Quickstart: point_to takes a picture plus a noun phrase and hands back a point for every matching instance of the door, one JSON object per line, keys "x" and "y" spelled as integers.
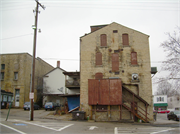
{"x": 17, "y": 97}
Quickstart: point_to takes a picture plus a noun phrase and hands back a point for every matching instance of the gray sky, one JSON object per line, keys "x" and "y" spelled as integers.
{"x": 63, "y": 22}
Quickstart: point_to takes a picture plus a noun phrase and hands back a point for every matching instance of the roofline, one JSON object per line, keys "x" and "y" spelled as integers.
{"x": 53, "y": 70}
{"x": 110, "y": 24}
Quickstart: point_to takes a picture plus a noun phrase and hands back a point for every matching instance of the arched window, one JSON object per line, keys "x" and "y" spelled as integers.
{"x": 125, "y": 39}
{"x": 133, "y": 58}
{"x": 98, "y": 59}
{"x": 98, "y": 76}
{"x": 103, "y": 40}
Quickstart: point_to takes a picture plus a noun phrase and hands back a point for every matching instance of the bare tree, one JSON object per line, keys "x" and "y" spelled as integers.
{"x": 172, "y": 64}
{"x": 165, "y": 88}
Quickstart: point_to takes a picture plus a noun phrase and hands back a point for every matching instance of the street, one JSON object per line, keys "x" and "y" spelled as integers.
{"x": 18, "y": 122}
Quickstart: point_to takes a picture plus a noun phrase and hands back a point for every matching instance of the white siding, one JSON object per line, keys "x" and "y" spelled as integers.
{"x": 54, "y": 82}
{"x": 160, "y": 99}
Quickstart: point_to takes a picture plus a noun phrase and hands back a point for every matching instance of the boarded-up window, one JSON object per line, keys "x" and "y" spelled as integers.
{"x": 103, "y": 40}
{"x": 105, "y": 92}
{"x": 98, "y": 59}
{"x": 98, "y": 76}
{"x": 115, "y": 62}
{"x": 133, "y": 58}
{"x": 115, "y": 92}
{"x": 125, "y": 39}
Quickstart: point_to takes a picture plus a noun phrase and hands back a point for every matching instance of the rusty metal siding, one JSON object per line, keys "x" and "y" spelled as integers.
{"x": 115, "y": 62}
{"x": 115, "y": 92}
{"x": 104, "y": 92}
{"x": 98, "y": 59}
{"x": 103, "y": 40}
{"x": 125, "y": 39}
{"x": 98, "y": 76}
{"x": 93, "y": 86}
{"x": 133, "y": 58}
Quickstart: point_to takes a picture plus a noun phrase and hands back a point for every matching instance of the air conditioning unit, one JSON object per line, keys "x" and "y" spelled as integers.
{"x": 135, "y": 77}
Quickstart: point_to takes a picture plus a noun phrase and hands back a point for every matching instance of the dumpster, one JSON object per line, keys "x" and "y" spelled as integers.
{"x": 78, "y": 115}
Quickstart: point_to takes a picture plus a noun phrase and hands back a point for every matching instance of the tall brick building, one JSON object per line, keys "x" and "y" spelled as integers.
{"x": 16, "y": 76}
{"x": 115, "y": 78}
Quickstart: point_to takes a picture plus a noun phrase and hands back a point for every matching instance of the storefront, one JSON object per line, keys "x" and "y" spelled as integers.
{"x": 6, "y": 98}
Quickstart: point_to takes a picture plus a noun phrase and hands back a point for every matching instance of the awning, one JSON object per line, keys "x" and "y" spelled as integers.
{"x": 160, "y": 104}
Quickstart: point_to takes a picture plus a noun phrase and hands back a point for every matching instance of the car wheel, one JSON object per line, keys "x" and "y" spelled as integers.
{"x": 168, "y": 118}
{"x": 24, "y": 109}
{"x": 46, "y": 109}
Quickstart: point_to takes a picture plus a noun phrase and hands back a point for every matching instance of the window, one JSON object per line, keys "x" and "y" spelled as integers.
{"x": 98, "y": 76}
{"x": 9, "y": 98}
{"x": 125, "y": 39}
{"x": 2, "y": 66}
{"x": 15, "y": 75}
{"x": 5, "y": 98}
{"x": 103, "y": 40}
{"x": 133, "y": 58}
{"x": 115, "y": 31}
{"x": 98, "y": 59}
{"x": 115, "y": 62}
{"x": 2, "y": 76}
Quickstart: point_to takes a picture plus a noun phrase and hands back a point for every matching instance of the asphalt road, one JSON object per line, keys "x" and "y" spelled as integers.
{"x": 19, "y": 123}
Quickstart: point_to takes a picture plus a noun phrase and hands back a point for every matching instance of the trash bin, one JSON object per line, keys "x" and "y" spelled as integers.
{"x": 78, "y": 115}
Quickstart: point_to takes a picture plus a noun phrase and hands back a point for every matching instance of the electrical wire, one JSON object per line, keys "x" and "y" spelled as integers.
{"x": 16, "y": 36}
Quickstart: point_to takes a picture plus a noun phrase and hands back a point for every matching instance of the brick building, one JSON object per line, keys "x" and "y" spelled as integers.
{"x": 16, "y": 75}
{"x": 115, "y": 78}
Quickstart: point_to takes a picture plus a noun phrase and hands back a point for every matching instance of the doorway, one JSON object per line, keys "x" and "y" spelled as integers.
{"x": 17, "y": 97}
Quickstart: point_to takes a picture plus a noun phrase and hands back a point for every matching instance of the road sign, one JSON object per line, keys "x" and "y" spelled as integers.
{"x": 31, "y": 95}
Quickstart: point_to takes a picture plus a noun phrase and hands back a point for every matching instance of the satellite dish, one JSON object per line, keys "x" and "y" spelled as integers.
{"x": 134, "y": 76}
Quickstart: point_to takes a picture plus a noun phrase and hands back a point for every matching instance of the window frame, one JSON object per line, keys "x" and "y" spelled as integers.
{"x": 15, "y": 75}
{"x": 99, "y": 59}
{"x": 125, "y": 39}
{"x": 103, "y": 40}
{"x": 2, "y": 66}
{"x": 2, "y": 76}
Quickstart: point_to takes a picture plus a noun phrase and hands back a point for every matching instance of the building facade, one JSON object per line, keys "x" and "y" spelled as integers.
{"x": 115, "y": 78}
{"x": 160, "y": 102}
{"x": 174, "y": 102}
{"x": 16, "y": 76}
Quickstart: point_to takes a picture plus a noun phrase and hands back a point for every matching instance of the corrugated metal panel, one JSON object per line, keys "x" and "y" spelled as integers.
{"x": 115, "y": 92}
{"x": 103, "y": 40}
{"x": 98, "y": 76}
{"x": 93, "y": 91}
{"x": 104, "y": 92}
{"x": 98, "y": 59}
{"x": 133, "y": 58}
{"x": 125, "y": 39}
{"x": 115, "y": 62}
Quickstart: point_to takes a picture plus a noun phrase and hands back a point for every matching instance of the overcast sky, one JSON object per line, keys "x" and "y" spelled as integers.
{"x": 63, "y": 22}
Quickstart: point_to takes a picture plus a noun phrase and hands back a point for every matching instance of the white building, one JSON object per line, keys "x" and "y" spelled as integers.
{"x": 174, "y": 102}
{"x": 160, "y": 102}
{"x": 54, "y": 85}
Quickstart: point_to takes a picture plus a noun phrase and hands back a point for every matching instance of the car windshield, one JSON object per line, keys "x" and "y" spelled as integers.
{"x": 27, "y": 103}
{"x": 48, "y": 103}
{"x": 176, "y": 112}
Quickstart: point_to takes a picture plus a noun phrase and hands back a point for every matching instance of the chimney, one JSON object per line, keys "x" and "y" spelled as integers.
{"x": 58, "y": 64}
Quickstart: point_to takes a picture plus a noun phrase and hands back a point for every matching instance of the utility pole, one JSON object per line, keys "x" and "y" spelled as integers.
{"x": 33, "y": 61}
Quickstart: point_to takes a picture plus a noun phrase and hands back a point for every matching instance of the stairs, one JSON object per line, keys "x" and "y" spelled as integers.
{"x": 136, "y": 114}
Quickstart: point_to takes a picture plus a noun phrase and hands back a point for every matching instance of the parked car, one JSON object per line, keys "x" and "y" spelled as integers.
{"x": 163, "y": 111}
{"x": 50, "y": 105}
{"x": 175, "y": 115}
{"x": 26, "y": 106}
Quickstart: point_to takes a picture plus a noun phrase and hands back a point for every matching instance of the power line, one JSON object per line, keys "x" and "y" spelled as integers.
{"x": 16, "y": 36}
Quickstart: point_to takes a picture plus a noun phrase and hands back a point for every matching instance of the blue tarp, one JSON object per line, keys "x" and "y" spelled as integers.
{"x": 73, "y": 102}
